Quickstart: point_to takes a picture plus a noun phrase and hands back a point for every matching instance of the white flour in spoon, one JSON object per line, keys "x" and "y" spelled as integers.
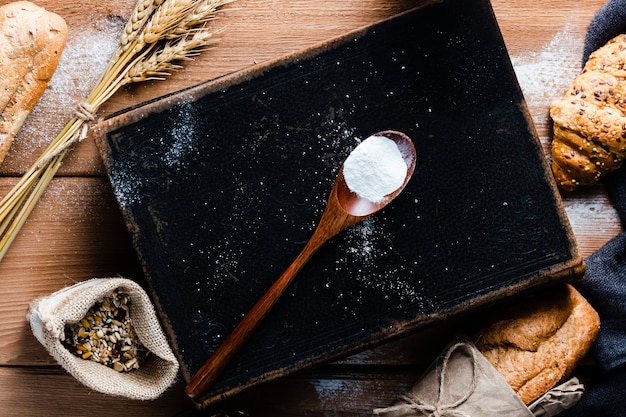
{"x": 375, "y": 168}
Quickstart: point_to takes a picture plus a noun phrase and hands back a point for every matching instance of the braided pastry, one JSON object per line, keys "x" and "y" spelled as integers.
{"x": 589, "y": 138}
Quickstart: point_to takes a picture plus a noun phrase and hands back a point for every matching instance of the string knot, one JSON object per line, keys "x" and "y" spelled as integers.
{"x": 413, "y": 404}
{"x": 86, "y": 112}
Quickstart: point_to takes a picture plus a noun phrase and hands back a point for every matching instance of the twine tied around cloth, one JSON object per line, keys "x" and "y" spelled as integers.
{"x": 438, "y": 409}
{"x": 84, "y": 112}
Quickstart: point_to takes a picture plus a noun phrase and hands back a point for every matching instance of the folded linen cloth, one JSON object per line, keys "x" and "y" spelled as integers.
{"x": 604, "y": 283}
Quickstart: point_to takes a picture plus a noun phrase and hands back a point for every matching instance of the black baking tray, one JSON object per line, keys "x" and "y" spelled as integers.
{"x": 222, "y": 184}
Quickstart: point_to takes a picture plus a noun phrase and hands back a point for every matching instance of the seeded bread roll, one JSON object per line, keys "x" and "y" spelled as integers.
{"x": 31, "y": 42}
{"x": 589, "y": 138}
{"x": 537, "y": 343}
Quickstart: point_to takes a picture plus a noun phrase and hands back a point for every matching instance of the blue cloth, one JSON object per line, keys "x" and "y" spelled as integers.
{"x": 604, "y": 399}
{"x": 604, "y": 286}
{"x": 608, "y": 22}
{"x": 604, "y": 283}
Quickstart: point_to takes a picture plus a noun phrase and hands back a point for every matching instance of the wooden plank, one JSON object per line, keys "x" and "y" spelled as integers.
{"x": 526, "y": 27}
{"x": 347, "y": 391}
{"x": 327, "y": 392}
{"x": 46, "y": 391}
{"x": 75, "y": 233}
{"x": 593, "y": 218}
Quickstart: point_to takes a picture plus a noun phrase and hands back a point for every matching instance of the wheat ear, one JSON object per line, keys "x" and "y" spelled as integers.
{"x": 158, "y": 37}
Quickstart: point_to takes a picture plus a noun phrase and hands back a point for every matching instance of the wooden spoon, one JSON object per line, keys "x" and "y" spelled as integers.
{"x": 343, "y": 209}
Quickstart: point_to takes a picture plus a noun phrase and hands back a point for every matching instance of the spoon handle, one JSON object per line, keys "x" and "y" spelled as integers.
{"x": 331, "y": 223}
{"x": 222, "y": 356}
{"x": 333, "y": 220}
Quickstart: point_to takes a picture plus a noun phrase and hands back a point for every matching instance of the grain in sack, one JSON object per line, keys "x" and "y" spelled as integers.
{"x": 54, "y": 319}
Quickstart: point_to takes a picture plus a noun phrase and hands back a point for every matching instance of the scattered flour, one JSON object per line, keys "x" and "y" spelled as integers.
{"x": 124, "y": 184}
{"x": 362, "y": 236}
{"x": 84, "y": 58}
{"x": 182, "y": 136}
{"x": 179, "y": 142}
{"x": 544, "y": 75}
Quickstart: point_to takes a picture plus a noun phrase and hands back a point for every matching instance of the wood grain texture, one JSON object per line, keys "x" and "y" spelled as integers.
{"x": 77, "y": 232}
{"x": 49, "y": 391}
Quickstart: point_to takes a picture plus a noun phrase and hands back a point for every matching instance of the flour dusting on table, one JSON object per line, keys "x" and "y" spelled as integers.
{"x": 544, "y": 75}
{"x": 83, "y": 60}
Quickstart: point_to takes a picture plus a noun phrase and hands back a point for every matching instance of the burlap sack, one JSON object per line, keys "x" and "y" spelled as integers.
{"x": 48, "y": 316}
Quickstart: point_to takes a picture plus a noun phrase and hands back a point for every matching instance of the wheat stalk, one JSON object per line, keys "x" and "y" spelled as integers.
{"x": 157, "y": 38}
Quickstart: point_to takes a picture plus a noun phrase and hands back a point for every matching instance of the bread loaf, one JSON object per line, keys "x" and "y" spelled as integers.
{"x": 31, "y": 42}
{"x": 536, "y": 343}
{"x": 589, "y": 138}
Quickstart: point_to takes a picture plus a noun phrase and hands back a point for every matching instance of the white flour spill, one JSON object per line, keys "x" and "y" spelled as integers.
{"x": 361, "y": 236}
{"x": 545, "y": 75}
{"x": 123, "y": 182}
{"x": 369, "y": 243}
{"x": 183, "y": 137}
{"x": 595, "y": 211}
{"x": 179, "y": 142}
{"x": 83, "y": 60}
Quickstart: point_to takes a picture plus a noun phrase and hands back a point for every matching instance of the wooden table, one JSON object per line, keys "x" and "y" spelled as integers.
{"x": 76, "y": 232}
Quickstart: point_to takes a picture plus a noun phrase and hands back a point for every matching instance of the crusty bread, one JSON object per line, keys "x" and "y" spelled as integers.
{"x": 589, "y": 138}
{"x": 31, "y": 42}
{"x": 537, "y": 342}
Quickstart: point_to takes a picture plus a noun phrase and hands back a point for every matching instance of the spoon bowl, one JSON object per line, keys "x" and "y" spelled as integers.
{"x": 354, "y": 204}
{"x": 343, "y": 209}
